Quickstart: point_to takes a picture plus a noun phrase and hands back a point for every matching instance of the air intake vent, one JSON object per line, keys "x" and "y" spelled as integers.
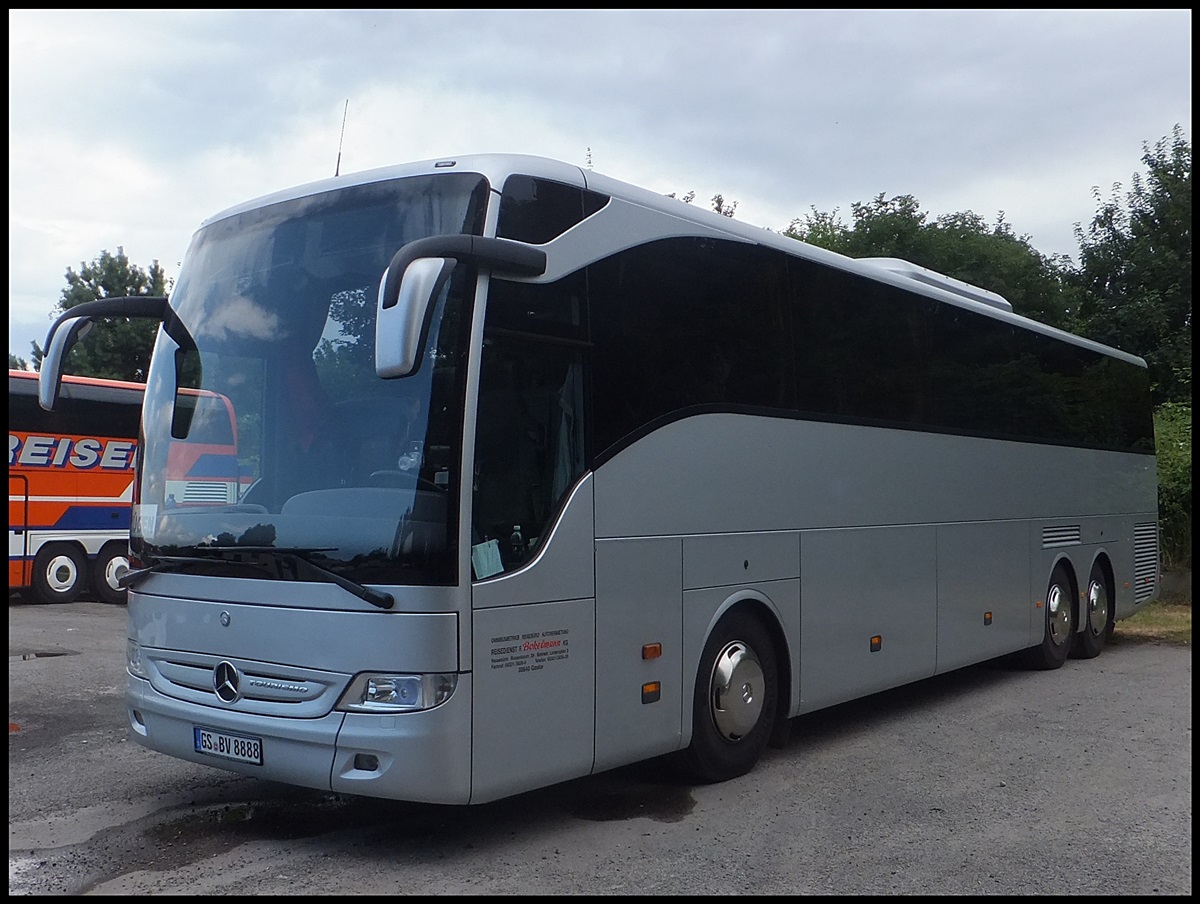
{"x": 1145, "y": 560}
{"x": 206, "y": 492}
{"x": 1062, "y": 535}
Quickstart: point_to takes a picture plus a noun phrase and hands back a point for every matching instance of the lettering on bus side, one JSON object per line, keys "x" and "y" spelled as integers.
{"x": 70, "y": 452}
{"x": 530, "y": 652}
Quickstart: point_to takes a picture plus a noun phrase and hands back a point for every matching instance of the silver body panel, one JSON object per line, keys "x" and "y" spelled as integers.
{"x": 824, "y": 476}
{"x": 909, "y": 536}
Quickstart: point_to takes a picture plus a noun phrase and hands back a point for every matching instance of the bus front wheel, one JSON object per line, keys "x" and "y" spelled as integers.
{"x": 1058, "y": 623}
{"x": 58, "y": 573}
{"x": 111, "y": 562}
{"x": 733, "y": 706}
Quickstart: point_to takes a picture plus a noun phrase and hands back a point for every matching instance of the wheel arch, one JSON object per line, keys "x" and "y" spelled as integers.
{"x": 123, "y": 545}
{"x": 1103, "y": 559}
{"x": 766, "y": 611}
{"x": 74, "y": 543}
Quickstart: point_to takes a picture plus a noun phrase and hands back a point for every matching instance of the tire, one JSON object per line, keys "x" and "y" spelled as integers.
{"x": 111, "y": 562}
{"x": 1058, "y": 624}
{"x": 1098, "y": 617}
{"x": 59, "y": 573}
{"x": 734, "y": 702}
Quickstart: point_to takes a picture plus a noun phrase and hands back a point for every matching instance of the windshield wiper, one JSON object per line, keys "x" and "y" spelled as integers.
{"x": 297, "y": 556}
{"x": 165, "y": 564}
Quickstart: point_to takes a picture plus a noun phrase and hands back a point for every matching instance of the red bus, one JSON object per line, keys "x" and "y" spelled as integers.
{"x": 70, "y": 480}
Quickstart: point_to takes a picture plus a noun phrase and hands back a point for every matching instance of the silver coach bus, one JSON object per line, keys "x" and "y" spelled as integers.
{"x": 549, "y": 474}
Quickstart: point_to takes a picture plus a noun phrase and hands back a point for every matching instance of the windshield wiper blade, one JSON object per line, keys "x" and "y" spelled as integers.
{"x": 295, "y": 555}
{"x": 164, "y": 564}
{"x": 298, "y": 555}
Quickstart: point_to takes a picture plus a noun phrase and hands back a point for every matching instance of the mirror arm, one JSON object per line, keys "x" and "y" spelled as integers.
{"x": 500, "y": 255}
{"x": 59, "y": 339}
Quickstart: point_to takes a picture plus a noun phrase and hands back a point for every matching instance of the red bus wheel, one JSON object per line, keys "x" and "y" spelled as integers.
{"x": 58, "y": 573}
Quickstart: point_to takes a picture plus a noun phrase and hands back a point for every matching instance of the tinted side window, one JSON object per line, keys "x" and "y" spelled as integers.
{"x": 861, "y": 347}
{"x": 683, "y": 324}
{"x": 77, "y": 417}
{"x": 107, "y": 418}
{"x": 872, "y": 353}
{"x": 556, "y": 309}
{"x": 686, "y": 325}
{"x": 538, "y": 210}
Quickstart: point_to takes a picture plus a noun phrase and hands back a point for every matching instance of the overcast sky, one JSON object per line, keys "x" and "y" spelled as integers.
{"x": 127, "y": 128}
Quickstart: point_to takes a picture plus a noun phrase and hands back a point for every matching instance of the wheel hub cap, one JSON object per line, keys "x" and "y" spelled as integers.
{"x": 60, "y": 574}
{"x": 1097, "y": 608}
{"x": 1060, "y": 615}
{"x": 736, "y": 691}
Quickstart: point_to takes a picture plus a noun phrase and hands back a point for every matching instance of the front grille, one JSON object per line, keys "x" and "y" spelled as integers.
{"x": 264, "y": 688}
{"x": 1145, "y": 560}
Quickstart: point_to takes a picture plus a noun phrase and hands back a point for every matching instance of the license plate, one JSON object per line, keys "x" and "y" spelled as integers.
{"x": 241, "y": 748}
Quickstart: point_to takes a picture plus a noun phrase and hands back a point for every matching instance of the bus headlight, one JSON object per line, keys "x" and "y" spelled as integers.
{"x": 372, "y": 692}
{"x": 133, "y": 660}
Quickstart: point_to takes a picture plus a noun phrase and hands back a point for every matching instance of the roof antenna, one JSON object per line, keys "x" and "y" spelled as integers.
{"x": 337, "y": 168}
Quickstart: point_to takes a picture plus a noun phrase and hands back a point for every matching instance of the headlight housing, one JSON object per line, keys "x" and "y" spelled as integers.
{"x": 378, "y": 692}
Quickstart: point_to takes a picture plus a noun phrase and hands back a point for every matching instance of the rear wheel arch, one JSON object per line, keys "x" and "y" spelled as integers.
{"x": 1067, "y": 564}
{"x": 1097, "y": 610}
{"x": 1104, "y": 561}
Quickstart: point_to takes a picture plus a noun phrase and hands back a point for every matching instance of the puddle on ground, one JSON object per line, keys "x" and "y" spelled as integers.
{"x": 660, "y": 802}
{"x": 662, "y": 805}
{"x": 204, "y": 832}
{"x": 260, "y": 820}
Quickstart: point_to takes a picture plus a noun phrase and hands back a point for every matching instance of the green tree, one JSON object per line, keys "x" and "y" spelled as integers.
{"x": 117, "y": 348}
{"x": 719, "y": 204}
{"x": 1135, "y": 268}
{"x": 962, "y": 245}
{"x": 16, "y": 363}
{"x": 348, "y": 361}
{"x": 1173, "y": 441}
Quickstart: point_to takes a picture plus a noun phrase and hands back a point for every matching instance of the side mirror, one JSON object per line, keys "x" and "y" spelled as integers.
{"x": 402, "y": 327}
{"x": 80, "y": 318}
{"x": 415, "y": 277}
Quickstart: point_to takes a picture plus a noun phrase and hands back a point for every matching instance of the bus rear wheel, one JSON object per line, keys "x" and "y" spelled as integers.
{"x": 734, "y": 702}
{"x": 1058, "y": 624}
{"x": 58, "y": 573}
{"x": 111, "y": 562}
{"x": 1098, "y": 617}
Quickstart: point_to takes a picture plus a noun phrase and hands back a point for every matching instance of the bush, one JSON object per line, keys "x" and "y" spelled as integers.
{"x": 1173, "y": 438}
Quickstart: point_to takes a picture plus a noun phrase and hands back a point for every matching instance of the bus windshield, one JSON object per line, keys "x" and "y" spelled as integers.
{"x": 275, "y": 311}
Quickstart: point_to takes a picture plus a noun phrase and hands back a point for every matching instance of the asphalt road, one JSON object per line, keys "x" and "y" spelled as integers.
{"x": 990, "y": 780}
